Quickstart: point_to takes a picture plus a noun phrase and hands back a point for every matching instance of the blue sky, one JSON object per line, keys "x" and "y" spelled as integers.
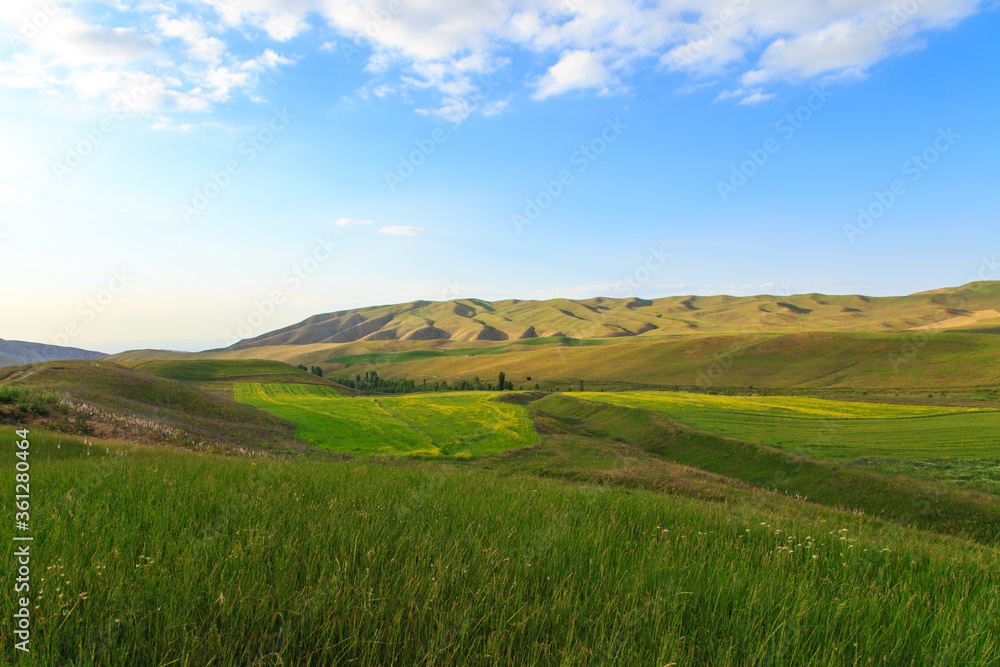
{"x": 172, "y": 170}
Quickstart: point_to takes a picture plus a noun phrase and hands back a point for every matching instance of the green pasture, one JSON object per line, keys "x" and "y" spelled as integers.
{"x": 146, "y": 556}
{"x": 459, "y": 424}
{"x": 836, "y": 430}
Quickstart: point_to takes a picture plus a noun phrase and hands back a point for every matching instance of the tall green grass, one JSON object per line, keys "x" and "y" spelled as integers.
{"x": 17, "y": 402}
{"x": 906, "y": 501}
{"x": 981, "y": 475}
{"x": 159, "y": 557}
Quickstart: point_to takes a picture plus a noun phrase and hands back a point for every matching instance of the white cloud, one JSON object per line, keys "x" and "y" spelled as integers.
{"x": 267, "y": 60}
{"x": 439, "y": 48}
{"x": 162, "y": 62}
{"x": 201, "y": 47}
{"x": 74, "y": 43}
{"x": 575, "y": 70}
{"x": 344, "y": 222}
{"x": 283, "y": 28}
{"x": 164, "y": 123}
{"x": 495, "y": 108}
{"x": 845, "y": 45}
{"x": 23, "y": 71}
{"x": 747, "y": 97}
{"x": 596, "y": 46}
{"x": 397, "y": 230}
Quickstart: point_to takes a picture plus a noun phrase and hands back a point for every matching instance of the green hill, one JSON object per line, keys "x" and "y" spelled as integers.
{"x": 464, "y": 320}
{"x": 934, "y": 342}
{"x": 907, "y": 501}
{"x": 222, "y": 375}
{"x": 106, "y": 399}
{"x": 148, "y": 556}
{"x": 948, "y": 362}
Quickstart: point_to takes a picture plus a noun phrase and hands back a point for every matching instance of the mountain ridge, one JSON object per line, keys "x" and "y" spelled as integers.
{"x": 17, "y": 352}
{"x": 471, "y": 319}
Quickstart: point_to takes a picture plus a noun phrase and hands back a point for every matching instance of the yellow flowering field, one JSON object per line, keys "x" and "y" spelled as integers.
{"x": 453, "y": 424}
{"x": 826, "y": 428}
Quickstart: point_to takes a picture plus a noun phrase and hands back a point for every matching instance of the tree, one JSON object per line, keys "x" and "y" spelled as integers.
{"x": 502, "y": 382}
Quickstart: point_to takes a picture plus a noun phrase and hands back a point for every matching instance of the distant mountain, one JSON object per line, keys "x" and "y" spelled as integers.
{"x": 15, "y": 352}
{"x": 972, "y": 305}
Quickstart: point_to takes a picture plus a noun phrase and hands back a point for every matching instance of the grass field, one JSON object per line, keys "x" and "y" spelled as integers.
{"x": 221, "y": 374}
{"x": 459, "y": 424}
{"x": 826, "y": 363}
{"x": 145, "y": 556}
{"x": 123, "y": 402}
{"x": 907, "y": 501}
{"x": 587, "y": 528}
{"x": 980, "y": 475}
{"x": 836, "y": 430}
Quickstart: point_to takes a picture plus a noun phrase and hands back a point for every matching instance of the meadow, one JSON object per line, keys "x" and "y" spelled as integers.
{"x": 739, "y": 438}
{"x": 220, "y": 375}
{"x": 828, "y": 429}
{"x": 159, "y": 557}
{"x": 456, "y": 424}
{"x": 815, "y": 363}
{"x": 480, "y": 528}
{"x": 135, "y": 405}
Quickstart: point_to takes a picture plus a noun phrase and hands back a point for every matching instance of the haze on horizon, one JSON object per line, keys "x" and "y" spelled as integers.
{"x": 168, "y": 168}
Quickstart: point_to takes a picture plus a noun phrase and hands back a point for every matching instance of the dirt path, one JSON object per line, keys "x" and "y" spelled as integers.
{"x": 16, "y": 377}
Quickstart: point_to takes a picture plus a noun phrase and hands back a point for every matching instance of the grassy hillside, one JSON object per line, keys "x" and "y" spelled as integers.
{"x": 104, "y": 398}
{"x": 222, "y": 375}
{"x": 148, "y": 556}
{"x": 513, "y": 319}
{"x": 829, "y": 429}
{"x": 906, "y": 501}
{"x": 458, "y": 424}
{"x": 947, "y": 363}
{"x": 837, "y": 362}
{"x": 213, "y": 370}
{"x": 472, "y": 424}
{"x": 939, "y": 341}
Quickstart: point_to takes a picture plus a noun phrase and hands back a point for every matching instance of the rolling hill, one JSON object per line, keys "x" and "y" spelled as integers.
{"x": 104, "y": 399}
{"x": 939, "y": 341}
{"x": 465, "y": 320}
{"x": 17, "y": 352}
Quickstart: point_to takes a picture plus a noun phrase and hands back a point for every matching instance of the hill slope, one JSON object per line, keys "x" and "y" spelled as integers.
{"x": 108, "y": 400}
{"x": 477, "y": 320}
{"x": 16, "y": 352}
